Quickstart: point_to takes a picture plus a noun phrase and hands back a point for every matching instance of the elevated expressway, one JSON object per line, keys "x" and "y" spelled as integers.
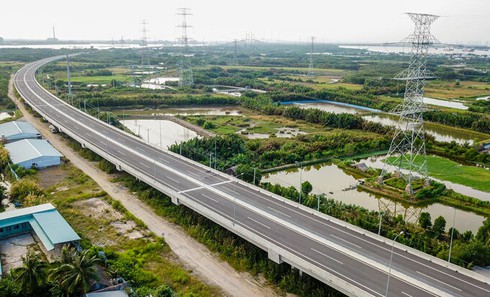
{"x": 352, "y": 260}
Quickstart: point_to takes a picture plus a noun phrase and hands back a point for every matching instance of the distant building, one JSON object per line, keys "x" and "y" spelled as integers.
{"x": 44, "y": 222}
{"x": 36, "y": 153}
{"x": 17, "y": 130}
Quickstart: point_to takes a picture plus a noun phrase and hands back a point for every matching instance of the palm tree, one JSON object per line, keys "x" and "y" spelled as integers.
{"x": 76, "y": 272}
{"x": 31, "y": 275}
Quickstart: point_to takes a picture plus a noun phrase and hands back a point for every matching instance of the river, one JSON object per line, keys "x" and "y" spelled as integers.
{"x": 330, "y": 180}
{"x": 438, "y": 132}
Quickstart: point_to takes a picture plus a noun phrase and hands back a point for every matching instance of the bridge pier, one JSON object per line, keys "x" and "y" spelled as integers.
{"x": 175, "y": 200}
{"x": 274, "y": 256}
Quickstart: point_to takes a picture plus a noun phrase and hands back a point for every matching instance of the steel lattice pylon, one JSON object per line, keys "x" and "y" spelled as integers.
{"x": 185, "y": 67}
{"x": 310, "y": 66}
{"x": 408, "y": 144}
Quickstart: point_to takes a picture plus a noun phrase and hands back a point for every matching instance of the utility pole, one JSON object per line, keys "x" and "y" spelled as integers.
{"x": 186, "y": 75}
{"x": 408, "y": 143}
{"x": 70, "y": 96}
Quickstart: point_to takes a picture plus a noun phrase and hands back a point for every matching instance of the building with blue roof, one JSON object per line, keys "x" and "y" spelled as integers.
{"x": 44, "y": 222}
{"x": 35, "y": 153}
{"x": 17, "y": 130}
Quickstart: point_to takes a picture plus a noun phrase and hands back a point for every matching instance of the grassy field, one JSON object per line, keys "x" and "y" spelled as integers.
{"x": 264, "y": 124}
{"x": 450, "y": 90}
{"x": 100, "y": 79}
{"x": 471, "y": 176}
{"x": 98, "y": 219}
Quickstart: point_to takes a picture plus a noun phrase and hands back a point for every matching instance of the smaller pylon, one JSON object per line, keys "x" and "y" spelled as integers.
{"x": 145, "y": 55}
{"x": 235, "y": 61}
{"x": 186, "y": 75}
{"x": 311, "y": 73}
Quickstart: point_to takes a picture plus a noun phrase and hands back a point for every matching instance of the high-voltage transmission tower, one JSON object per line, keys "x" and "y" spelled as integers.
{"x": 408, "y": 144}
{"x": 310, "y": 67}
{"x": 145, "y": 55}
{"x": 235, "y": 43}
{"x": 186, "y": 76}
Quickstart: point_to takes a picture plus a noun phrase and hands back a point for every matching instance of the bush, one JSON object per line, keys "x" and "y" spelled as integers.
{"x": 22, "y": 188}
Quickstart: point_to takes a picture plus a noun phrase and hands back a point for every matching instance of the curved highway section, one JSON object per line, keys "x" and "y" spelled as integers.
{"x": 354, "y": 261}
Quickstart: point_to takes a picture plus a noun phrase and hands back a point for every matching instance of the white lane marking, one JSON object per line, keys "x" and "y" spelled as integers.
{"x": 174, "y": 180}
{"x": 346, "y": 241}
{"x": 221, "y": 183}
{"x": 364, "y": 240}
{"x": 264, "y": 225}
{"x": 210, "y": 198}
{"x": 189, "y": 190}
{"x": 406, "y": 294}
{"x": 143, "y": 164}
{"x": 177, "y": 160}
{"x": 327, "y": 256}
{"x": 435, "y": 279}
{"x": 121, "y": 153}
{"x": 278, "y": 211}
{"x": 332, "y": 271}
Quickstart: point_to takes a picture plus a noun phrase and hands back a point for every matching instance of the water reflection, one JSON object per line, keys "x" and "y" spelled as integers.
{"x": 332, "y": 181}
{"x": 188, "y": 111}
{"x": 159, "y": 132}
{"x": 439, "y": 133}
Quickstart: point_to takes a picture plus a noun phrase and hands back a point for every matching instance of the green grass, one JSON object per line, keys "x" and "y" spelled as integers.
{"x": 444, "y": 169}
{"x": 444, "y": 89}
{"x": 100, "y": 79}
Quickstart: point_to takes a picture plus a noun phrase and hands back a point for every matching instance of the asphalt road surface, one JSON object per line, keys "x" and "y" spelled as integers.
{"x": 356, "y": 260}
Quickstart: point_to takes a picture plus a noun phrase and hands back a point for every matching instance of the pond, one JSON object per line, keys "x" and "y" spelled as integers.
{"x": 445, "y": 103}
{"x": 331, "y": 106}
{"x": 161, "y": 133}
{"x": 331, "y": 180}
{"x": 462, "y": 189}
{"x": 184, "y": 111}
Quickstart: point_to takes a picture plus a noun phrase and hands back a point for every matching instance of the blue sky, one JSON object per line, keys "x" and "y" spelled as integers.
{"x": 329, "y": 21}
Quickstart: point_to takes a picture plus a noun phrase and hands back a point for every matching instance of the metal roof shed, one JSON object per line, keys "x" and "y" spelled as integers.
{"x": 30, "y": 153}
{"x": 46, "y": 222}
{"x": 17, "y": 130}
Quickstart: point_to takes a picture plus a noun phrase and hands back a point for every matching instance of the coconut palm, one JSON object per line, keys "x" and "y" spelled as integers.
{"x": 75, "y": 273}
{"x": 31, "y": 275}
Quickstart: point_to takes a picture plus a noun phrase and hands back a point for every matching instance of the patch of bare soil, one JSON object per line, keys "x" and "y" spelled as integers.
{"x": 51, "y": 176}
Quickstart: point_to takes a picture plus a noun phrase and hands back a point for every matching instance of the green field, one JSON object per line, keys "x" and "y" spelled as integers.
{"x": 100, "y": 79}
{"x": 450, "y": 90}
{"x": 471, "y": 176}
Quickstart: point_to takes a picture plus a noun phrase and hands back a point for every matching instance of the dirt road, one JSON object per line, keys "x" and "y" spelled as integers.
{"x": 194, "y": 255}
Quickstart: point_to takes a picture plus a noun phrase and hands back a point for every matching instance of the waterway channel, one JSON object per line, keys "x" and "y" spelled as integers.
{"x": 330, "y": 180}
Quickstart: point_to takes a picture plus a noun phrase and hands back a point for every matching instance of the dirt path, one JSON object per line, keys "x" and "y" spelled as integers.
{"x": 193, "y": 254}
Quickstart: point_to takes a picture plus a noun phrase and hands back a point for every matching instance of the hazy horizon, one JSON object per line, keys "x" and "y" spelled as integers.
{"x": 354, "y": 21}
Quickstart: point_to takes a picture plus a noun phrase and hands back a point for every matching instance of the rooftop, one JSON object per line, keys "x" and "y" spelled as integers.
{"x": 28, "y": 149}
{"x": 16, "y": 127}
{"x": 45, "y": 220}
